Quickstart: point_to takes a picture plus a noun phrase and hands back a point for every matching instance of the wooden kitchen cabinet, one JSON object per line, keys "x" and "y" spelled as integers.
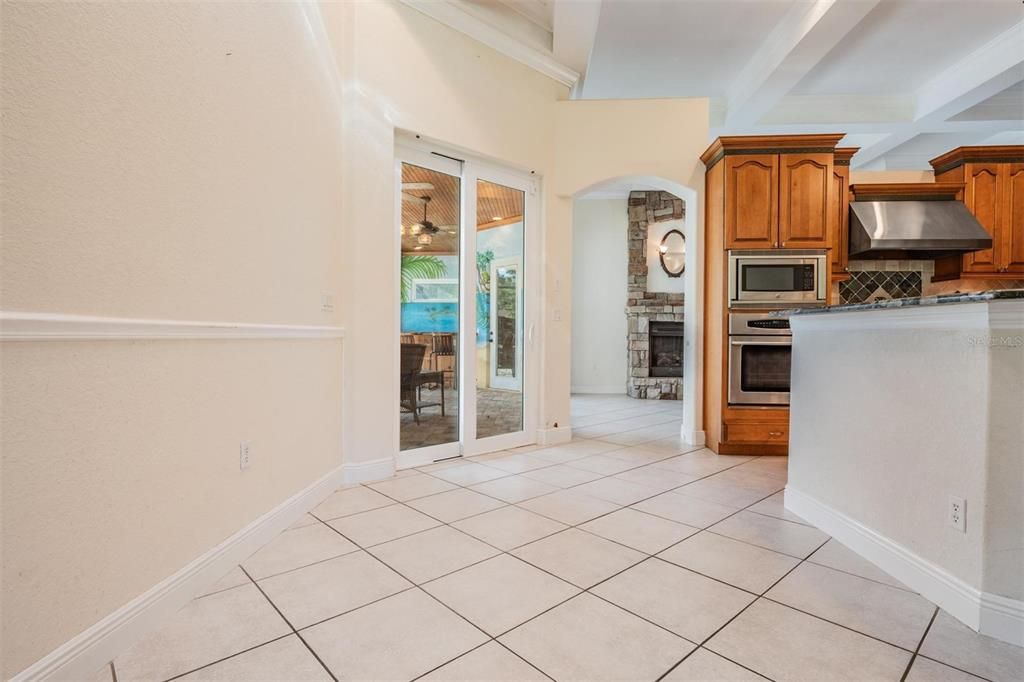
{"x": 839, "y": 226}
{"x": 805, "y": 200}
{"x": 993, "y": 180}
{"x": 1013, "y": 233}
{"x": 761, "y": 192}
{"x": 778, "y": 192}
{"x": 751, "y": 213}
{"x": 982, "y": 196}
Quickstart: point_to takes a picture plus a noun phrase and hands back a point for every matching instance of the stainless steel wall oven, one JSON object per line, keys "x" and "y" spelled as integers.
{"x": 760, "y": 351}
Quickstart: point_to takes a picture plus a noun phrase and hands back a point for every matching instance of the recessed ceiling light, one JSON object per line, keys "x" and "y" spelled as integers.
{"x": 495, "y": 217}
{"x": 417, "y": 248}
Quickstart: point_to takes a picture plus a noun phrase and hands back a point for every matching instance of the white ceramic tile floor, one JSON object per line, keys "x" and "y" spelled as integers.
{"x": 475, "y": 570}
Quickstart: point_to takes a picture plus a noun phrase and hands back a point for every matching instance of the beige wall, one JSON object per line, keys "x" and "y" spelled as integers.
{"x": 408, "y": 72}
{"x": 596, "y": 141}
{"x": 150, "y": 174}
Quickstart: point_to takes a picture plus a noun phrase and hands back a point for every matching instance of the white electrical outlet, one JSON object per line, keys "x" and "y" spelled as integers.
{"x": 243, "y": 456}
{"x": 957, "y": 513}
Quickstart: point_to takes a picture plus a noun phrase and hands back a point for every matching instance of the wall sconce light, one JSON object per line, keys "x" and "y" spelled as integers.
{"x": 672, "y": 253}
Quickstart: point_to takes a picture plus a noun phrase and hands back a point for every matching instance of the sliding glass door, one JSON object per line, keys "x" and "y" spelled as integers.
{"x": 467, "y": 307}
{"x": 499, "y": 257}
{"x": 430, "y": 193}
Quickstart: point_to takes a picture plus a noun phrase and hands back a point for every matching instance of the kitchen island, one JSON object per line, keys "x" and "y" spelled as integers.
{"x": 907, "y": 444}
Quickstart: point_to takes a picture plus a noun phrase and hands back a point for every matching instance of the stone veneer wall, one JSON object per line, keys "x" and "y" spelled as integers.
{"x": 643, "y": 306}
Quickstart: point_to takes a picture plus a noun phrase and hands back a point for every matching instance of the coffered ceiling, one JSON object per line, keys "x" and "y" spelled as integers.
{"x": 900, "y": 77}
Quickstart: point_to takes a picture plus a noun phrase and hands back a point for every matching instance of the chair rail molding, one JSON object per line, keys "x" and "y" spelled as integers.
{"x": 36, "y": 326}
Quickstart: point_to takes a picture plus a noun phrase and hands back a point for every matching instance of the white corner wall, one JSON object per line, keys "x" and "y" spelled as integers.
{"x": 599, "y": 295}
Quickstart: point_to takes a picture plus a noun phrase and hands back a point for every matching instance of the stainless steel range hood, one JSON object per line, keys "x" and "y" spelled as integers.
{"x": 914, "y": 229}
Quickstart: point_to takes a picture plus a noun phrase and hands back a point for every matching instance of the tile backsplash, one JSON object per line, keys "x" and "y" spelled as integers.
{"x": 871, "y": 285}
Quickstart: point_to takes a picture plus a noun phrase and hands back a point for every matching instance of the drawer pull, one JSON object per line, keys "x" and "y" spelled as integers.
{"x": 775, "y": 433}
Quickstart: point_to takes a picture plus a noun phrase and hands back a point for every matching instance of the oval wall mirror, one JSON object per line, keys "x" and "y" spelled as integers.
{"x": 673, "y": 253}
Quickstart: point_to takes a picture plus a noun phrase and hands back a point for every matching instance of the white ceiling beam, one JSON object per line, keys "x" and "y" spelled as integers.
{"x": 456, "y": 15}
{"x": 797, "y": 44}
{"x": 574, "y": 31}
{"x": 881, "y": 129}
{"x": 985, "y": 72}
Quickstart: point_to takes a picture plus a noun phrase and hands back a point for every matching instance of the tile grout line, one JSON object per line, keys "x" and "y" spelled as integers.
{"x": 508, "y": 552}
{"x": 737, "y": 615}
{"x": 949, "y": 665}
{"x": 431, "y": 596}
{"x": 913, "y": 656}
{"x": 568, "y": 526}
{"x": 646, "y": 556}
{"x": 289, "y": 623}
{"x": 230, "y": 656}
{"x": 583, "y": 590}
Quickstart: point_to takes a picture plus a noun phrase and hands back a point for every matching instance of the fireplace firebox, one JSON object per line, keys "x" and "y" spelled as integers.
{"x": 666, "y": 349}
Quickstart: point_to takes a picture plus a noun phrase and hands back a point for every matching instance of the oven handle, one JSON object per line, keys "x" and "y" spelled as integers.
{"x": 763, "y": 341}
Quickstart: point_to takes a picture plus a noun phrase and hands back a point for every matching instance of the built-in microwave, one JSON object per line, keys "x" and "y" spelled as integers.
{"x": 777, "y": 278}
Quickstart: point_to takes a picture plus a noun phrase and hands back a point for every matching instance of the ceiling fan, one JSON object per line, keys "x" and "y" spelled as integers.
{"x": 425, "y": 230}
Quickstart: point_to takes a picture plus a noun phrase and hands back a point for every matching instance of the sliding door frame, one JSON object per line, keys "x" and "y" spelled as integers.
{"x": 423, "y": 159}
{"x": 470, "y": 170}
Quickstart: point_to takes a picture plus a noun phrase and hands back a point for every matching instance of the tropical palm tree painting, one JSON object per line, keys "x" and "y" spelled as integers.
{"x": 420, "y": 267}
{"x": 483, "y": 295}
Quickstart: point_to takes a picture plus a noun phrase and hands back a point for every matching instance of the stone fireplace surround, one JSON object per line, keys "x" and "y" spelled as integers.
{"x": 643, "y": 306}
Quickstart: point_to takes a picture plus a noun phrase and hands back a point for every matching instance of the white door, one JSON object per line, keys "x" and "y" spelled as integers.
{"x": 506, "y": 332}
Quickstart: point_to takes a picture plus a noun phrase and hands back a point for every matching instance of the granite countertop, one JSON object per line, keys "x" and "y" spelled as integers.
{"x": 914, "y": 301}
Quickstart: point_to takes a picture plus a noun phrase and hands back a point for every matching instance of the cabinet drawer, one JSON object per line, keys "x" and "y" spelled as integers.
{"x": 757, "y": 433}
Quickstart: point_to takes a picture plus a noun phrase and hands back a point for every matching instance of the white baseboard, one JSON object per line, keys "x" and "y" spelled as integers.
{"x": 554, "y": 436}
{"x": 989, "y": 614}
{"x": 600, "y": 389}
{"x": 80, "y": 657}
{"x": 694, "y": 437}
{"x": 365, "y": 472}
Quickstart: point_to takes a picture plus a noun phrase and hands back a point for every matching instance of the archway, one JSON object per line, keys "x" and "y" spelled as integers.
{"x": 693, "y": 301}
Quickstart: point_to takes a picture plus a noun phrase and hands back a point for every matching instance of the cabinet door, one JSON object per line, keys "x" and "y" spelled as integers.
{"x": 805, "y": 185}
{"x": 982, "y": 198}
{"x": 751, "y": 193}
{"x": 1013, "y": 220}
{"x": 839, "y": 220}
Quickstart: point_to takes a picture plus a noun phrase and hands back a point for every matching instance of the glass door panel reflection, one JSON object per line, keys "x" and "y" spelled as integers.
{"x": 499, "y": 312}
{"x": 430, "y": 315}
